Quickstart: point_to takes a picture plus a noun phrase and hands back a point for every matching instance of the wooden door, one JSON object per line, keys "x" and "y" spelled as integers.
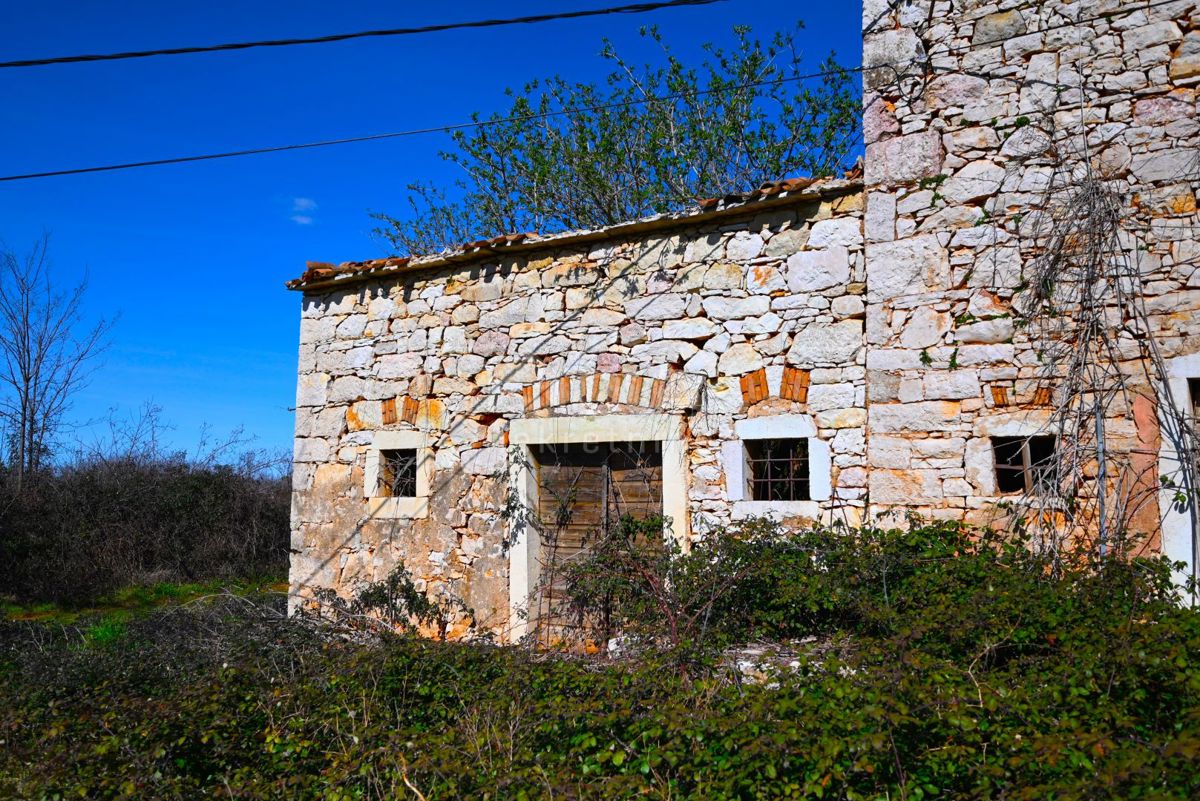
{"x": 583, "y": 491}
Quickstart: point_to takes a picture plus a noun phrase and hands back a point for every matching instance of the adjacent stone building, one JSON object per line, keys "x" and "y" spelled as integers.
{"x": 845, "y": 349}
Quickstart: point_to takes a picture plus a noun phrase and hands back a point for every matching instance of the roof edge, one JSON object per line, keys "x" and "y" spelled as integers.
{"x": 323, "y": 275}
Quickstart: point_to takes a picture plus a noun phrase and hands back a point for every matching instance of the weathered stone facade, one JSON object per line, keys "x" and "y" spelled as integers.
{"x": 874, "y": 319}
{"x": 750, "y": 310}
{"x": 1014, "y": 100}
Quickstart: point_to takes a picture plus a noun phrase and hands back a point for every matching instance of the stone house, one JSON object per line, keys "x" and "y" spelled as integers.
{"x": 834, "y": 350}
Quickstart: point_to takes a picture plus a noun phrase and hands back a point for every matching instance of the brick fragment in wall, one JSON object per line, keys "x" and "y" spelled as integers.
{"x": 999, "y": 395}
{"x": 754, "y": 387}
{"x": 795, "y": 384}
{"x": 389, "y": 411}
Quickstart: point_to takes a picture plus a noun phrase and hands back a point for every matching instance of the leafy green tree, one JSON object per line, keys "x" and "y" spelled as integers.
{"x": 644, "y": 141}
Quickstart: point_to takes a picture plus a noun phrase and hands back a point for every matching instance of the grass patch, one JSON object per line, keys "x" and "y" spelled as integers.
{"x": 138, "y": 600}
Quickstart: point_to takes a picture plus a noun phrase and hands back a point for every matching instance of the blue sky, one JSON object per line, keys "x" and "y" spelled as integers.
{"x": 193, "y": 257}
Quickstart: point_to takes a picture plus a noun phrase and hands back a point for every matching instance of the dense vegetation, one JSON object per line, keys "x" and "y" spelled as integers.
{"x": 924, "y": 664}
{"x": 80, "y": 531}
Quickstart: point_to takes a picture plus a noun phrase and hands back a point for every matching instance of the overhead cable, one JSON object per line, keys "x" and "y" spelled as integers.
{"x": 635, "y": 8}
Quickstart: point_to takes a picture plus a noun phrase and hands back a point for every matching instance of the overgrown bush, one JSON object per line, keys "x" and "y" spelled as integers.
{"x": 90, "y": 527}
{"x": 964, "y": 669}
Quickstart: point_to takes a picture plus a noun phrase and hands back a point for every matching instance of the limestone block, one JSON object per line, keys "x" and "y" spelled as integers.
{"x": 602, "y": 318}
{"x": 466, "y": 431}
{"x": 723, "y": 275}
{"x": 904, "y": 487}
{"x": 446, "y": 386}
{"x": 836, "y": 231}
{"x": 785, "y": 243}
{"x": 925, "y": 328}
{"x": 980, "y": 465}
{"x": 889, "y": 452}
{"x": 529, "y": 330}
{"x": 482, "y": 291}
{"x": 842, "y": 418}
{"x": 656, "y": 307}
{"x": 886, "y": 48}
{"x": 515, "y": 311}
{"x": 951, "y": 384}
{"x": 988, "y": 331}
{"x": 454, "y": 340}
{"x": 833, "y": 343}
{"x": 904, "y": 159}
{"x": 1164, "y": 165}
{"x": 691, "y": 328}
{"x": 847, "y": 306}
{"x": 485, "y": 461}
{"x": 682, "y": 392}
{"x": 976, "y": 138}
{"x": 564, "y": 275}
{"x": 955, "y": 89}
{"x": 918, "y": 416}
{"x": 722, "y": 396}
{"x": 364, "y": 416}
{"x": 670, "y": 351}
{"x": 880, "y": 223}
{"x": 822, "y": 397}
{"x": 469, "y": 365}
{"x": 998, "y": 27}
{"x": 311, "y": 389}
{"x": 971, "y": 355}
{"x": 381, "y": 308}
{"x": 545, "y": 345}
{"x": 763, "y": 279}
{"x": 910, "y": 266}
{"x": 399, "y": 365}
{"x": 882, "y": 387}
{"x": 309, "y": 449}
{"x": 1186, "y": 63}
{"x": 721, "y": 308}
{"x": 740, "y": 359}
{"x": 1149, "y": 35}
{"x": 814, "y": 270}
{"x": 744, "y": 246}
{"x": 703, "y": 363}
{"x": 632, "y": 334}
{"x": 504, "y": 403}
{"x": 769, "y": 323}
{"x": 878, "y": 118}
{"x": 491, "y": 343}
{"x": 978, "y": 179}
{"x": 466, "y": 313}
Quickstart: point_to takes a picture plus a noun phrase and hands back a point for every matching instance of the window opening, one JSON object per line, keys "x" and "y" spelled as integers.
{"x": 778, "y": 469}
{"x": 1023, "y": 463}
{"x": 398, "y": 473}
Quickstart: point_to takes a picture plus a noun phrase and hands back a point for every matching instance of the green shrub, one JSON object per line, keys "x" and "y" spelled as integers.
{"x": 963, "y": 668}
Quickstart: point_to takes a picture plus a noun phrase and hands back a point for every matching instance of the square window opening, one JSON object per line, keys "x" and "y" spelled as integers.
{"x": 778, "y": 469}
{"x": 1023, "y": 464}
{"x": 398, "y": 473}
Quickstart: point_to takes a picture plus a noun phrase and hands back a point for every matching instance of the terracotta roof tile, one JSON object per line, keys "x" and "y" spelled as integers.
{"x": 317, "y": 272}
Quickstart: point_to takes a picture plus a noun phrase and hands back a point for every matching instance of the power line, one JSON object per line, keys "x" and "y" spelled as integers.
{"x": 546, "y": 115}
{"x": 636, "y": 8}
{"x": 418, "y": 131}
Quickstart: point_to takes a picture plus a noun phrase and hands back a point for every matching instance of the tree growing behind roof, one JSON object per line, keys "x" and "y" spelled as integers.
{"x": 646, "y": 140}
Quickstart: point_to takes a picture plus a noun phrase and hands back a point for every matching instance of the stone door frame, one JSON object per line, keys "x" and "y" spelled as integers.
{"x": 666, "y": 429}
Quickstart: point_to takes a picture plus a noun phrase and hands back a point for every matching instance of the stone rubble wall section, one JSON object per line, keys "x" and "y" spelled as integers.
{"x": 955, "y": 167}
{"x": 718, "y": 320}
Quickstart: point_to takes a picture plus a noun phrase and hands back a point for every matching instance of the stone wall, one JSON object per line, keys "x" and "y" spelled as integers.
{"x": 748, "y": 311}
{"x": 990, "y": 104}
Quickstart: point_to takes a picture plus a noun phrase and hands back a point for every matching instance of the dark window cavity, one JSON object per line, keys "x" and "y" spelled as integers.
{"x": 778, "y": 469}
{"x": 398, "y": 473}
{"x": 1023, "y": 464}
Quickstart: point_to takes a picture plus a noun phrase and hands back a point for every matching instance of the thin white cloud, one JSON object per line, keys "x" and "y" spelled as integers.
{"x": 301, "y": 208}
